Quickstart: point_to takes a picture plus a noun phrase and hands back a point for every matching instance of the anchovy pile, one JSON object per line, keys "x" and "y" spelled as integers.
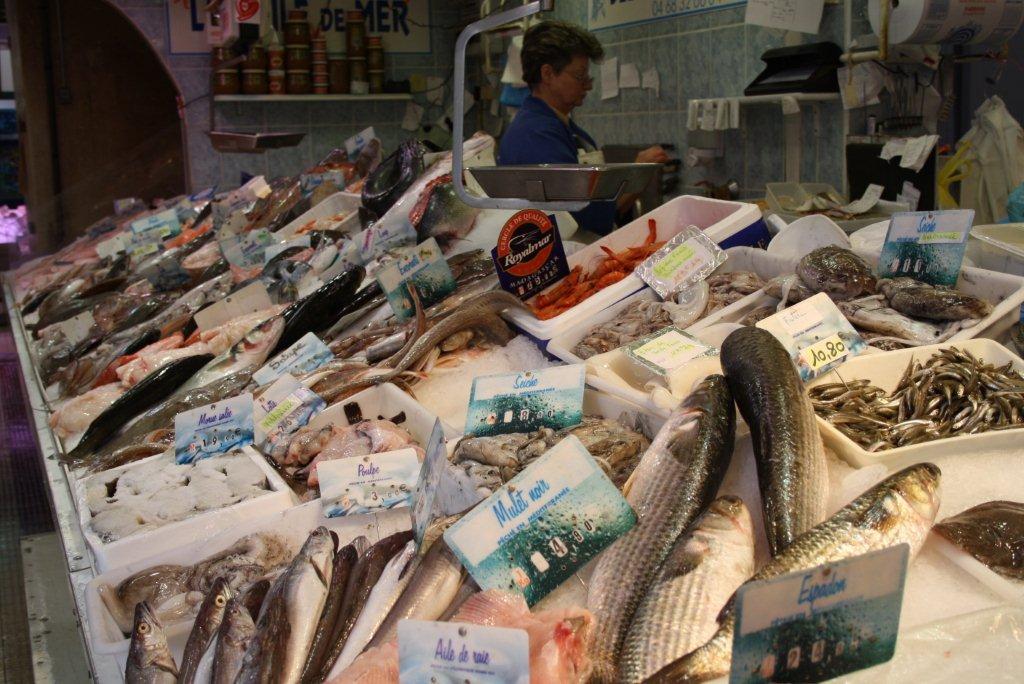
{"x": 953, "y": 393}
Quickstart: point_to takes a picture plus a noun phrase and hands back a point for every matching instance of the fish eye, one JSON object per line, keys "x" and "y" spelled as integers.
{"x": 143, "y": 628}
{"x": 219, "y": 601}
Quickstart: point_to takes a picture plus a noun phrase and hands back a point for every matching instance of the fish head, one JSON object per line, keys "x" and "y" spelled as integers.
{"x": 918, "y": 486}
{"x": 149, "y": 644}
{"x": 257, "y": 344}
{"x": 222, "y": 593}
{"x": 728, "y": 513}
{"x": 904, "y": 505}
{"x": 319, "y": 549}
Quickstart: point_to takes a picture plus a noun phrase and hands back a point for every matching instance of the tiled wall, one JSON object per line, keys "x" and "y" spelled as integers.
{"x": 326, "y": 124}
{"x": 713, "y": 54}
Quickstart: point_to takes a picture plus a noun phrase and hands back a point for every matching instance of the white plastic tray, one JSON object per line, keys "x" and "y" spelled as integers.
{"x": 884, "y": 370}
{"x": 179, "y": 533}
{"x": 721, "y": 220}
{"x": 1004, "y": 291}
{"x": 334, "y": 204}
{"x": 386, "y": 401}
{"x": 293, "y": 524}
{"x": 562, "y": 344}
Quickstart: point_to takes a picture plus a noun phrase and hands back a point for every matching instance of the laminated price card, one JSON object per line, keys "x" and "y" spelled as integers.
{"x": 543, "y": 524}
{"x": 817, "y": 336}
{"x": 926, "y": 245}
{"x": 213, "y": 429}
{"x": 434, "y": 652}
{"x": 526, "y": 401}
{"x": 820, "y": 623}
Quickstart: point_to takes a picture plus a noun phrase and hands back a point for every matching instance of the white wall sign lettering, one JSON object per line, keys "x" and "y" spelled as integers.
{"x": 612, "y": 13}
{"x": 186, "y": 27}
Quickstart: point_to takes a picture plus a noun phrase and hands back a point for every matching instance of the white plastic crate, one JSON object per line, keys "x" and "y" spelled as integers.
{"x": 293, "y": 524}
{"x": 725, "y": 222}
{"x": 179, "y": 533}
{"x": 1004, "y": 291}
{"x": 884, "y": 369}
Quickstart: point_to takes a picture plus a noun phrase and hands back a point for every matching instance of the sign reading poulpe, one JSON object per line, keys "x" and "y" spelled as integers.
{"x": 529, "y": 255}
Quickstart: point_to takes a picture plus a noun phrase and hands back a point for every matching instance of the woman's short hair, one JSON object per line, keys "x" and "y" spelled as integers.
{"x": 556, "y": 43}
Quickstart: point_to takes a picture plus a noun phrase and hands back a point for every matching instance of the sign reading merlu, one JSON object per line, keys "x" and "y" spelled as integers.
{"x": 403, "y": 24}
{"x": 611, "y": 13}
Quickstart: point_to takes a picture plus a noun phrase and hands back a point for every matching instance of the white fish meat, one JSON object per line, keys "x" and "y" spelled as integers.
{"x": 75, "y": 415}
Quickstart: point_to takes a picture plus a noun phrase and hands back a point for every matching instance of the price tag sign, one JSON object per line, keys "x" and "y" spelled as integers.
{"x": 306, "y": 355}
{"x": 426, "y": 269}
{"x": 424, "y": 508}
{"x": 821, "y": 623}
{"x": 667, "y": 349}
{"x": 687, "y": 258}
{"x": 246, "y": 250}
{"x": 364, "y": 484}
{"x": 142, "y": 245}
{"x": 355, "y": 144}
{"x": 282, "y": 409}
{"x": 213, "y": 429}
{"x": 526, "y": 401}
{"x": 166, "y": 220}
{"x": 816, "y": 334}
{"x": 250, "y": 299}
{"x": 529, "y": 255}
{"x": 112, "y": 246}
{"x": 543, "y": 524}
{"x": 462, "y": 652}
{"x": 77, "y": 328}
{"x": 926, "y": 245}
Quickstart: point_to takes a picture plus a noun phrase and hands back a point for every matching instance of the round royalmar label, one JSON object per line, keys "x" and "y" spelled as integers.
{"x": 525, "y": 242}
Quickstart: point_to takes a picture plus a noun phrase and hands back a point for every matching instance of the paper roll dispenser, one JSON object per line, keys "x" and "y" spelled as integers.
{"x": 798, "y": 69}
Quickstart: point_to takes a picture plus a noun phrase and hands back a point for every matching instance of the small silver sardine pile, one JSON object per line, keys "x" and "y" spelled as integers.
{"x": 952, "y": 393}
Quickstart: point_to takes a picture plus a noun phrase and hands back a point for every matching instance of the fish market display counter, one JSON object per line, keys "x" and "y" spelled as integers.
{"x": 81, "y": 570}
{"x": 278, "y": 468}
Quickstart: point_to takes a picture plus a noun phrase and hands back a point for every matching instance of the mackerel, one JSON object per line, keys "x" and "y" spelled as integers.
{"x": 707, "y": 564}
{"x": 676, "y": 479}
{"x": 791, "y": 468}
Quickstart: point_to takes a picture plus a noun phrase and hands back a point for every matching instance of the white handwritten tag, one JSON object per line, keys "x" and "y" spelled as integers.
{"x": 815, "y": 333}
{"x": 250, "y": 299}
{"x": 667, "y": 349}
{"x": 461, "y": 652}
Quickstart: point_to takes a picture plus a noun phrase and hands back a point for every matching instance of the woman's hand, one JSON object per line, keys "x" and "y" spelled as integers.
{"x": 652, "y": 155}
